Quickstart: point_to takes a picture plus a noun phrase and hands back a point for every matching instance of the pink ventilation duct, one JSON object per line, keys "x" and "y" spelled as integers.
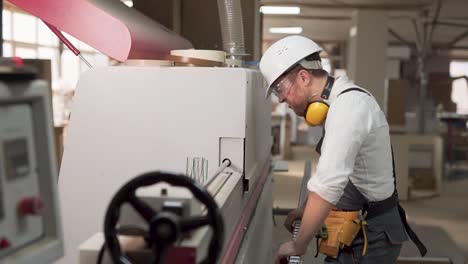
{"x": 110, "y": 27}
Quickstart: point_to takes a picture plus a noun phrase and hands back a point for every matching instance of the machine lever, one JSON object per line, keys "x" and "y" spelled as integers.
{"x": 226, "y": 163}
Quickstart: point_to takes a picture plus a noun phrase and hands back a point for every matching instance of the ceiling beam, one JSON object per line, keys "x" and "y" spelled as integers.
{"x": 452, "y": 24}
{"x": 459, "y": 48}
{"x": 400, "y": 38}
{"x": 437, "y": 45}
{"x": 457, "y": 38}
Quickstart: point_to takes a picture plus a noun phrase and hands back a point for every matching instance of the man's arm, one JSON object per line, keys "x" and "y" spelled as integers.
{"x": 315, "y": 212}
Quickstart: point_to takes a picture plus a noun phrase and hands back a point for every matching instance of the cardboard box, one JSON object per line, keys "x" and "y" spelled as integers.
{"x": 397, "y": 94}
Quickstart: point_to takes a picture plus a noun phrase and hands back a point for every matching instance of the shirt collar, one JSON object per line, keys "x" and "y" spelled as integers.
{"x": 341, "y": 83}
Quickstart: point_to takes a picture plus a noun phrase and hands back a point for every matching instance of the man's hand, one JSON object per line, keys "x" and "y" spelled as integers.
{"x": 292, "y": 216}
{"x": 287, "y": 249}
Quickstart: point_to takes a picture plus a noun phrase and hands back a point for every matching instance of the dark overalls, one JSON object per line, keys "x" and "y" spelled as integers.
{"x": 386, "y": 228}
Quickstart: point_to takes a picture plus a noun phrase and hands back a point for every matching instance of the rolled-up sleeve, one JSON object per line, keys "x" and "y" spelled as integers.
{"x": 347, "y": 124}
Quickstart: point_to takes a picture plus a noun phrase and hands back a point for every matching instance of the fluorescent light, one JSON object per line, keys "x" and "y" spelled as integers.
{"x": 286, "y": 30}
{"x": 280, "y": 10}
{"x": 129, "y": 3}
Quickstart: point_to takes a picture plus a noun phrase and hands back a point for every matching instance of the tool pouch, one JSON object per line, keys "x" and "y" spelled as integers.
{"x": 342, "y": 228}
{"x": 349, "y": 231}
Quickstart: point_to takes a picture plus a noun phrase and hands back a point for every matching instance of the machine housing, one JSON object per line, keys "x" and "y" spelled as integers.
{"x": 30, "y": 227}
{"x": 130, "y": 120}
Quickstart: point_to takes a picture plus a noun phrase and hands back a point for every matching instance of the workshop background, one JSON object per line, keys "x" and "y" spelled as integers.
{"x": 412, "y": 55}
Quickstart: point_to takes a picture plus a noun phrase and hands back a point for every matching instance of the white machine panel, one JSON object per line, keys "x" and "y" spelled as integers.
{"x": 19, "y": 223}
{"x": 130, "y": 120}
{"x": 30, "y": 227}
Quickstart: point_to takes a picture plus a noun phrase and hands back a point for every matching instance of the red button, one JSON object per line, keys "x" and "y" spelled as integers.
{"x": 17, "y": 61}
{"x": 4, "y": 243}
{"x": 30, "y": 206}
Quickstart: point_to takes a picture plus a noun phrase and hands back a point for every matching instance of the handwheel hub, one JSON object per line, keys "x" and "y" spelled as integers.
{"x": 164, "y": 228}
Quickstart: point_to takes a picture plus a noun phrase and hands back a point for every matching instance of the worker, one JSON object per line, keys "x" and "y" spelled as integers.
{"x": 354, "y": 183}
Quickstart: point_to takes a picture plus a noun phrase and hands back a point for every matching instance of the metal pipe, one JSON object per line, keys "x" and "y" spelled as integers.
{"x": 226, "y": 163}
{"x": 418, "y": 36}
{"x": 282, "y": 211}
{"x": 434, "y": 22}
{"x": 423, "y": 85}
{"x": 425, "y": 26}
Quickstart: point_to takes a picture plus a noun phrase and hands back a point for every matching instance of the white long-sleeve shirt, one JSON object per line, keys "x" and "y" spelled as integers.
{"x": 356, "y": 147}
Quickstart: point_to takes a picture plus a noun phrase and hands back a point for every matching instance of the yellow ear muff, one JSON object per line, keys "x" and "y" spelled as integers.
{"x": 316, "y": 113}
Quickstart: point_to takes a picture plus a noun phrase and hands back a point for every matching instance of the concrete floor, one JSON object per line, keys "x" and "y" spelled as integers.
{"x": 441, "y": 222}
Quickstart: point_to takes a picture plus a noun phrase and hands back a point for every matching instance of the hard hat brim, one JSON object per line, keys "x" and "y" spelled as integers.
{"x": 268, "y": 92}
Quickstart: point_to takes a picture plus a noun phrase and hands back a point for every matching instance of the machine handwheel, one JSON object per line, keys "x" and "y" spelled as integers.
{"x": 164, "y": 227}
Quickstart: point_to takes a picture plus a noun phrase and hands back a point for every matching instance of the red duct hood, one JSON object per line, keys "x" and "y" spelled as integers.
{"x": 110, "y": 27}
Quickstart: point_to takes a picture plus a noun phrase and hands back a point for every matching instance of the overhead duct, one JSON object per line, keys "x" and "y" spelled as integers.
{"x": 232, "y": 28}
{"x": 110, "y": 27}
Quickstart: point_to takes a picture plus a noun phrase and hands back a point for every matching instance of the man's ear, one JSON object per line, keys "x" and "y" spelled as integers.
{"x": 305, "y": 77}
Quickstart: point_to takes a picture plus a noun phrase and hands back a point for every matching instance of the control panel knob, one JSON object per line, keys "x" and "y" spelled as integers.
{"x": 30, "y": 206}
{"x": 4, "y": 243}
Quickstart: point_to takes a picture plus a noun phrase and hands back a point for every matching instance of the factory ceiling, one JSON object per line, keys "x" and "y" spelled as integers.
{"x": 330, "y": 21}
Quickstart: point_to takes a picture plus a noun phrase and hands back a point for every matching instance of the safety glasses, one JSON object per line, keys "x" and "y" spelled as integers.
{"x": 282, "y": 87}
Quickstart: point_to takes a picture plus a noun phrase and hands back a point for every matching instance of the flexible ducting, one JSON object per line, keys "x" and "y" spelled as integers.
{"x": 232, "y": 27}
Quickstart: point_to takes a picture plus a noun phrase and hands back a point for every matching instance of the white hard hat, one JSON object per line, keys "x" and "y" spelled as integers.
{"x": 284, "y": 54}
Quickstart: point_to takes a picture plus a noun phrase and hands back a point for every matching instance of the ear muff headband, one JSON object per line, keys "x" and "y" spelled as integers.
{"x": 316, "y": 112}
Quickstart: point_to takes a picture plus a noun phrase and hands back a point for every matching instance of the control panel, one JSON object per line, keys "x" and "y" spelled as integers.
{"x": 21, "y": 219}
{"x": 30, "y": 226}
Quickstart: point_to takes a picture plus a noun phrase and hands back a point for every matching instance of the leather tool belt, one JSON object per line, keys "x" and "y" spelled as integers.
{"x": 341, "y": 229}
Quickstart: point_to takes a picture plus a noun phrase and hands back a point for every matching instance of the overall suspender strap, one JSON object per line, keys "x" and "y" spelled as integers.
{"x": 374, "y": 209}
{"x": 318, "y": 148}
{"x": 421, "y": 247}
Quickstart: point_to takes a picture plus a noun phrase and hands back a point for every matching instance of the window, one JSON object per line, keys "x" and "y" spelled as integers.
{"x": 6, "y": 25}
{"x": 24, "y": 28}
{"x": 460, "y": 86}
{"x": 26, "y": 36}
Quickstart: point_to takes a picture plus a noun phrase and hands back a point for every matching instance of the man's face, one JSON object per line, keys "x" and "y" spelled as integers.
{"x": 290, "y": 89}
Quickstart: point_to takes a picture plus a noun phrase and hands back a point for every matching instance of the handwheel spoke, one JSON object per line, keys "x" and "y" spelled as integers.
{"x": 142, "y": 208}
{"x": 159, "y": 254}
{"x": 193, "y": 222}
{"x": 164, "y": 227}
